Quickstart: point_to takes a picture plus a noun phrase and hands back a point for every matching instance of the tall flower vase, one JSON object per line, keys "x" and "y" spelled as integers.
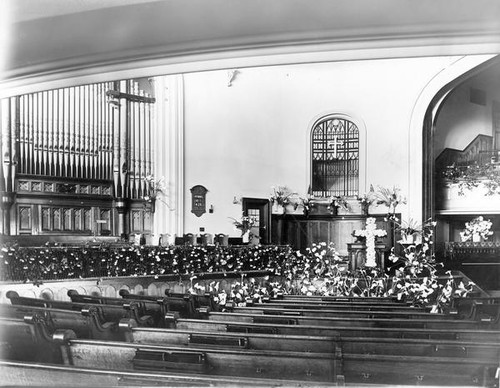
{"x": 245, "y": 237}
{"x": 365, "y": 208}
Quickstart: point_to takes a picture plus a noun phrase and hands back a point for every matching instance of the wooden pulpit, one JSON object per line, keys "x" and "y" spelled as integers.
{"x": 357, "y": 255}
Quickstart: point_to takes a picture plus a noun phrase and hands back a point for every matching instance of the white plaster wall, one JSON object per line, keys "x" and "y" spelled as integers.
{"x": 243, "y": 139}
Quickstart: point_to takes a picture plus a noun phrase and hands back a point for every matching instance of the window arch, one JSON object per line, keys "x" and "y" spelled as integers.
{"x": 334, "y": 157}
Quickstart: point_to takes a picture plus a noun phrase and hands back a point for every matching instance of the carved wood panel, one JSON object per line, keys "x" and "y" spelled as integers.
{"x": 25, "y": 218}
{"x": 300, "y": 232}
{"x": 46, "y": 219}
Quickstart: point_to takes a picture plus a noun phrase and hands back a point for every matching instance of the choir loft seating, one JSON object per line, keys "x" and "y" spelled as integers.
{"x": 180, "y": 339}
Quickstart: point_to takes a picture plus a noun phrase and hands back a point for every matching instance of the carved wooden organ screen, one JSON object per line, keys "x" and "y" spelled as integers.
{"x": 68, "y": 153}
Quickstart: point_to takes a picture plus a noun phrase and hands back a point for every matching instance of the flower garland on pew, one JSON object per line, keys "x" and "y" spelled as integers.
{"x": 319, "y": 270}
{"x": 57, "y": 262}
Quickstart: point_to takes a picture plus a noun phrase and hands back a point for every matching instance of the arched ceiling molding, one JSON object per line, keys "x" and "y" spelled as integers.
{"x": 47, "y": 45}
{"x": 430, "y": 97}
{"x": 66, "y": 73}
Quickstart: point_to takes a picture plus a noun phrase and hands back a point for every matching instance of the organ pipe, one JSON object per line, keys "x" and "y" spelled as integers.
{"x": 124, "y": 124}
{"x": 116, "y": 144}
{"x": 6, "y": 143}
{"x": 90, "y": 132}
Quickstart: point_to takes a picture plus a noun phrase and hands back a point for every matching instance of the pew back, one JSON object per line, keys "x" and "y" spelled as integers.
{"x": 33, "y": 374}
{"x": 202, "y": 360}
{"x": 342, "y": 331}
{"x": 177, "y": 337}
{"x": 351, "y": 321}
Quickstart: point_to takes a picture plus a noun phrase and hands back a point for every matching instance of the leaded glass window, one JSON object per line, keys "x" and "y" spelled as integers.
{"x": 335, "y": 158}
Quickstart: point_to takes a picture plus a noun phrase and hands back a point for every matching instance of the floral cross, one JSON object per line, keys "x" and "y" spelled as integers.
{"x": 370, "y": 233}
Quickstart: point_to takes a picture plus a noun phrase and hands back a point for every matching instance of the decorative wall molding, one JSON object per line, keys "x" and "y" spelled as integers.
{"x": 65, "y": 73}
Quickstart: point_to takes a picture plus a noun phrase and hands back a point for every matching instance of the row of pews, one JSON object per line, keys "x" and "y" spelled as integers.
{"x": 188, "y": 340}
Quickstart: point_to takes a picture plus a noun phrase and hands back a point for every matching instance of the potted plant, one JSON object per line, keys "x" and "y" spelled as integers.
{"x": 280, "y": 198}
{"x": 390, "y": 198}
{"x": 154, "y": 189}
{"x": 411, "y": 232}
{"x": 245, "y": 225}
{"x": 306, "y": 204}
{"x": 476, "y": 229}
{"x": 365, "y": 200}
{"x": 336, "y": 202}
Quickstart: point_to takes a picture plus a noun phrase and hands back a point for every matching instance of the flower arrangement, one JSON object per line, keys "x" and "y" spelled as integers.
{"x": 390, "y": 198}
{"x": 470, "y": 176}
{"x": 338, "y": 201}
{"x": 367, "y": 199}
{"x": 57, "y": 262}
{"x": 416, "y": 278}
{"x": 244, "y": 224}
{"x": 281, "y": 195}
{"x": 479, "y": 227}
{"x": 316, "y": 271}
{"x": 307, "y": 203}
{"x": 412, "y": 230}
{"x": 154, "y": 188}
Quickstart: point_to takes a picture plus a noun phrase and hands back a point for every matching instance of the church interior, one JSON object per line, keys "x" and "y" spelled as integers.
{"x": 286, "y": 193}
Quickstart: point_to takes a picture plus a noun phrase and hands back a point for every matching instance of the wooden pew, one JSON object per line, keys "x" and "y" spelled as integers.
{"x": 177, "y": 337}
{"x": 421, "y": 347}
{"x": 186, "y": 305}
{"x": 140, "y": 308}
{"x": 352, "y": 321}
{"x": 258, "y": 310}
{"x": 402, "y": 369}
{"x": 30, "y": 339}
{"x": 337, "y": 306}
{"x": 342, "y": 331}
{"x": 340, "y": 302}
{"x": 486, "y": 312}
{"x": 203, "y": 360}
{"x": 482, "y": 309}
{"x": 86, "y": 323}
{"x": 107, "y": 313}
{"x": 203, "y": 302}
{"x": 464, "y": 303}
{"x": 351, "y": 345}
{"x": 485, "y": 309}
{"x": 355, "y": 368}
{"x": 360, "y": 299}
{"x": 33, "y": 374}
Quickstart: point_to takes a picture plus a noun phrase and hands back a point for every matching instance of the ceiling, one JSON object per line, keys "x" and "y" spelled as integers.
{"x": 47, "y": 40}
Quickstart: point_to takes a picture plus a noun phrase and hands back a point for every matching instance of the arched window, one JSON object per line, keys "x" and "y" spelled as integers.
{"x": 334, "y": 157}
